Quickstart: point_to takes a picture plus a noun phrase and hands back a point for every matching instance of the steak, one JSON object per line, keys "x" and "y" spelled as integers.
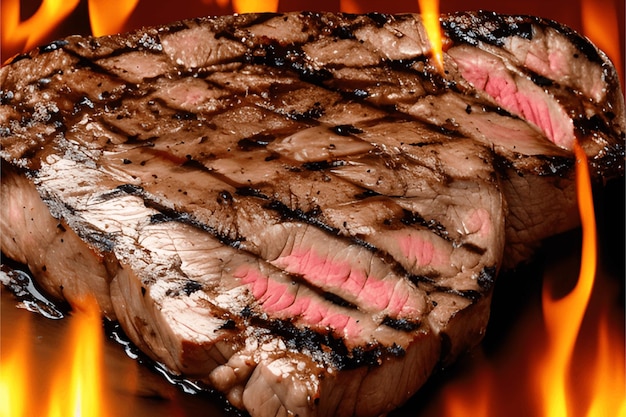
{"x": 299, "y": 210}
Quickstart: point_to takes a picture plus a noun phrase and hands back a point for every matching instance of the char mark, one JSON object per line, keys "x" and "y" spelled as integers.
{"x": 401, "y": 324}
{"x": 273, "y": 54}
{"x": 166, "y": 214}
{"x": 259, "y": 141}
{"x": 322, "y": 165}
{"x": 411, "y": 218}
{"x": 335, "y": 299}
{"x": 311, "y": 217}
{"x": 327, "y": 346}
{"x": 346, "y": 130}
{"x": 487, "y": 277}
{"x": 487, "y": 27}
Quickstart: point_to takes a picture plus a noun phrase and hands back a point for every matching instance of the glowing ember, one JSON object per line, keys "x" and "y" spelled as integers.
{"x": 108, "y": 16}
{"x": 253, "y": 6}
{"x": 429, "y": 10}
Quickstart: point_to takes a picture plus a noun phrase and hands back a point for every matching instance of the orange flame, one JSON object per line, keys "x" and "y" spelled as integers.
{"x": 600, "y": 25}
{"x": 29, "y": 33}
{"x": 255, "y": 6}
{"x": 429, "y": 10}
{"x": 562, "y": 334}
{"x": 14, "y": 368}
{"x": 81, "y": 392}
{"x": 105, "y": 16}
{"x": 609, "y": 377}
{"x": 108, "y": 16}
{"x": 78, "y": 381}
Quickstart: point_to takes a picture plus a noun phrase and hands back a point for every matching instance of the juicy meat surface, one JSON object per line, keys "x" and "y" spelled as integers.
{"x": 298, "y": 209}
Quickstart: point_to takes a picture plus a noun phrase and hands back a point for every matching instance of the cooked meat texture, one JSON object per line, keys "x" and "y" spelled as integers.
{"x": 299, "y": 209}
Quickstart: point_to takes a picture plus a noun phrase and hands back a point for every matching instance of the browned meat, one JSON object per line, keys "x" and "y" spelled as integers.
{"x": 298, "y": 209}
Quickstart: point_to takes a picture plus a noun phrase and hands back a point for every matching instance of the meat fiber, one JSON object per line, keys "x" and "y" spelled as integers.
{"x": 298, "y": 209}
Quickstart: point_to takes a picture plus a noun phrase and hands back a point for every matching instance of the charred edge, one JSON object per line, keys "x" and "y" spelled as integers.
{"x": 404, "y": 325}
{"x": 471, "y": 29}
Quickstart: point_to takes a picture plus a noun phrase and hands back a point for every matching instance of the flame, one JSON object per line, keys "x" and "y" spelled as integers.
{"x": 77, "y": 383}
{"x": 562, "y": 334}
{"x": 255, "y": 6}
{"x": 600, "y": 25}
{"x": 609, "y": 378}
{"x": 105, "y": 17}
{"x": 108, "y": 16}
{"x": 429, "y": 10}
{"x": 461, "y": 401}
{"x": 14, "y": 368}
{"x": 81, "y": 392}
{"x": 25, "y": 35}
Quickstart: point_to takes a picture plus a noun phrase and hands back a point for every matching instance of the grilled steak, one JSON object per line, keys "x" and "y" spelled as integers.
{"x": 299, "y": 209}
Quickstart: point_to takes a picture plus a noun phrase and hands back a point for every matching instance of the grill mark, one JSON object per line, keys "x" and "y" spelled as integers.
{"x": 402, "y": 324}
{"x": 167, "y": 214}
{"x": 332, "y": 348}
{"x": 411, "y": 218}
